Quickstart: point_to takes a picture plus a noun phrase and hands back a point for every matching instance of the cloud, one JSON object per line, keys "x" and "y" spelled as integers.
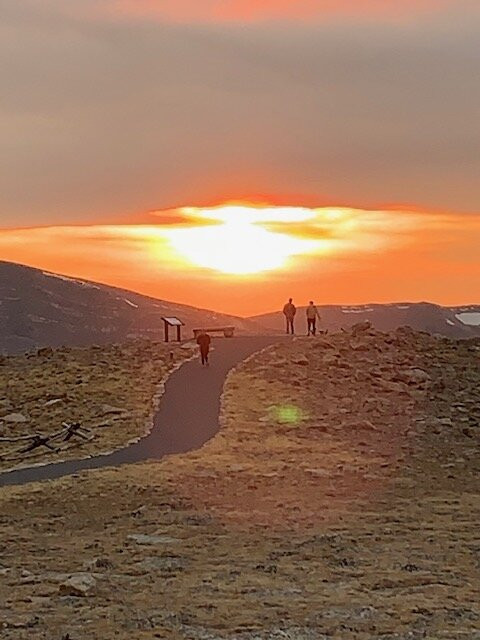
{"x": 249, "y": 11}
{"x": 355, "y": 256}
{"x": 104, "y": 120}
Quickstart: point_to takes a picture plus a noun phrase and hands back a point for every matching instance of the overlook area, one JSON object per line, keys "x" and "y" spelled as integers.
{"x": 340, "y": 499}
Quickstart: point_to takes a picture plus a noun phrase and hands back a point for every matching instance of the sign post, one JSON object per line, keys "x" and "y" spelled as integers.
{"x": 172, "y": 321}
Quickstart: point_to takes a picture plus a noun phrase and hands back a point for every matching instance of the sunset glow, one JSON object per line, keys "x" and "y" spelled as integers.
{"x": 249, "y": 239}
{"x": 247, "y": 258}
{"x": 238, "y": 244}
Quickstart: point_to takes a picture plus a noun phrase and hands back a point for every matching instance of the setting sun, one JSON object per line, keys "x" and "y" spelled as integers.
{"x": 235, "y": 242}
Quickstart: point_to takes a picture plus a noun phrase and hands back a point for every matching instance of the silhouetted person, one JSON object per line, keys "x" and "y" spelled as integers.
{"x": 203, "y": 342}
{"x": 312, "y": 315}
{"x": 289, "y": 311}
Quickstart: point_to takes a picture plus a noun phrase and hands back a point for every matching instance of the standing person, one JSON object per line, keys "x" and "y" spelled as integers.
{"x": 289, "y": 311}
{"x": 203, "y": 342}
{"x": 312, "y": 315}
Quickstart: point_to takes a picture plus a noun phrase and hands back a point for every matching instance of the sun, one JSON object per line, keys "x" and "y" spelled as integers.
{"x": 238, "y": 241}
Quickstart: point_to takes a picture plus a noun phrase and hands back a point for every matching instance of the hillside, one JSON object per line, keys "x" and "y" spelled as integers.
{"x": 340, "y": 500}
{"x": 452, "y": 322}
{"x": 39, "y": 309}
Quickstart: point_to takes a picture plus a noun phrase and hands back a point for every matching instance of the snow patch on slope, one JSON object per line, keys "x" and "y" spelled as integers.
{"x": 356, "y": 309}
{"x": 470, "y": 318}
{"x": 67, "y": 279}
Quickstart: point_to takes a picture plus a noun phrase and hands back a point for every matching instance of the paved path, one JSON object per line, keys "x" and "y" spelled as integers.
{"x": 187, "y": 416}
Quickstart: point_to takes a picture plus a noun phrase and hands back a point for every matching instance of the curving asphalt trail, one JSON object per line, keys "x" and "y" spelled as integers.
{"x": 186, "y": 419}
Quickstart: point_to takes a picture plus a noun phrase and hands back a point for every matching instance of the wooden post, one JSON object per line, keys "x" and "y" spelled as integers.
{"x": 166, "y": 330}
{"x": 179, "y": 333}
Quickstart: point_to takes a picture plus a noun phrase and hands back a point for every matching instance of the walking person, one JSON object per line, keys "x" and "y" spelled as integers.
{"x": 312, "y": 315}
{"x": 203, "y": 341}
{"x": 289, "y": 311}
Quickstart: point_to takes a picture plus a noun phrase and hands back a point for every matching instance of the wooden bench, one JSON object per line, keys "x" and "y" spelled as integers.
{"x": 227, "y": 331}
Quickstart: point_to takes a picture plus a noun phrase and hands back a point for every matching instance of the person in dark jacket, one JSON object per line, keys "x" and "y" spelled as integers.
{"x": 289, "y": 311}
{"x": 203, "y": 342}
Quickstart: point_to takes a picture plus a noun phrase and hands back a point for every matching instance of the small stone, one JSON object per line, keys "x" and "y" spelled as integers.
{"x": 45, "y": 352}
{"x": 107, "y": 409}
{"x": 79, "y": 585}
{"x": 412, "y": 376}
{"x": 16, "y": 418}
{"x": 99, "y": 563}
{"x": 53, "y": 402}
{"x": 141, "y": 538}
{"x": 303, "y": 362}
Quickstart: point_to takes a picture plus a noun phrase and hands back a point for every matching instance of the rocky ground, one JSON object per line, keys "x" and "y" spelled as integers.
{"x": 341, "y": 499}
{"x": 43, "y": 390}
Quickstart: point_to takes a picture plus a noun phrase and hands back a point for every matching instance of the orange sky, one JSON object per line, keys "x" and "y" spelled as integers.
{"x": 115, "y": 108}
{"x": 253, "y": 10}
{"x": 202, "y": 257}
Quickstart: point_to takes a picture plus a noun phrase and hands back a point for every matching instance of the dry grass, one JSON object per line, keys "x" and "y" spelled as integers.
{"x": 353, "y": 516}
{"x": 111, "y": 390}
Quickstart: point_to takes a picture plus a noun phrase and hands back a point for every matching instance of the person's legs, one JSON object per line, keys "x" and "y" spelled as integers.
{"x": 314, "y": 326}
{"x": 309, "y": 326}
{"x": 288, "y": 324}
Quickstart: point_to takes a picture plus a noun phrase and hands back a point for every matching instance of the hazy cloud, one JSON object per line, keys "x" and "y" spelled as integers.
{"x": 103, "y": 118}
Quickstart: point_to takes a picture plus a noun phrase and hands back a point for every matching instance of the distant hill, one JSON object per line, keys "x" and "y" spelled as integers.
{"x": 454, "y": 322}
{"x": 38, "y": 308}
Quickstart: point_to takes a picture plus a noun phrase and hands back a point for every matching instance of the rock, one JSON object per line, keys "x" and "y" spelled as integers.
{"x": 16, "y": 418}
{"x": 318, "y": 473}
{"x": 99, "y": 563}
{"x": 163, "y": 563}
{"x": 413, "y": 376}
{"x": 53, "y": 402}
{"x": 141, "y": 538}
{"x": 389, "y": 386}
{"x": 108, "y": 409}
{"x": 362, "y": 425}
{"x": 361, "y": 327}
{"x": 45, "y": 352}
{"x": 445, "y": 422}
{"x": 330, "y": 359}
{"x": 79, "y": 585}
{"x": 303, "y": 362}
{"x": 359, "y": 345}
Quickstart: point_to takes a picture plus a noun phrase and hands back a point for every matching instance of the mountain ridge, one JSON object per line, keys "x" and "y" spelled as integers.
{"x": 40, "y": 308}
{"x": 462, "y": 321}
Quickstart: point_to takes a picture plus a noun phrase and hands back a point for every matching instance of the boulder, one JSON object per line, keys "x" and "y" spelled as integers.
{"x": 361, "y": 327}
